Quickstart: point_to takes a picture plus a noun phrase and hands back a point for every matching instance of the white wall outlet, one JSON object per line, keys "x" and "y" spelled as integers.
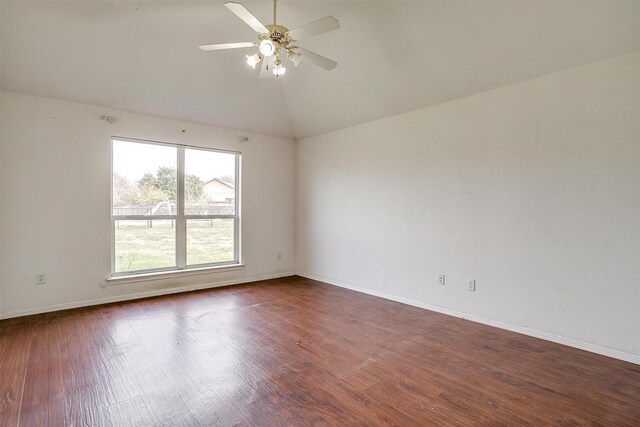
{"x": 442, "y": 279}
{"x": 279, "y": 256}
{"x": 41, "y": 279}
{"x": 471, "y": 285}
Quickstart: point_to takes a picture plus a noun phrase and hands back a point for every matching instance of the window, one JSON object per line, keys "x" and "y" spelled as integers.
{"x": 174, "y": 207}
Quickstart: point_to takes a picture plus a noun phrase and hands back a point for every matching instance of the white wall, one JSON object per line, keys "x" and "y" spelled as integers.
{"x": 1, "y": 203}
{"x": 56, "y": 163}
{"x": 533, "y": 190}
{"x": 0, "y": 171}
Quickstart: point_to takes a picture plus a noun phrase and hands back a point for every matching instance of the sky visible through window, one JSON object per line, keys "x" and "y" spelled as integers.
{"x": 132, "y": 160}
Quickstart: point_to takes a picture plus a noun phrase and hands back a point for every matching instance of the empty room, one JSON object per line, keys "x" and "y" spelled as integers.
{"x": 309, "y": 212}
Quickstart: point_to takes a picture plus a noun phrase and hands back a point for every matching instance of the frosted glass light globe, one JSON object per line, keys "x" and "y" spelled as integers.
{"x": 253, "y": 60}
{"x": 267, "y": 47}
{"x": 279, "y": 70}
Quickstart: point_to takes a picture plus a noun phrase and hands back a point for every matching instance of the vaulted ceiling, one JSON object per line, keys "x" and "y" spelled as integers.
{"x": 393, "y": 56}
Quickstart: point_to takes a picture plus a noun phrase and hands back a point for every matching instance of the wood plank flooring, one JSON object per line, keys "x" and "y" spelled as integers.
{"x": 298, "y": 352}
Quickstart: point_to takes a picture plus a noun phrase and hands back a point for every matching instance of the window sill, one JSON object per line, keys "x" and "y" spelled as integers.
{"x": 143, "y": 277}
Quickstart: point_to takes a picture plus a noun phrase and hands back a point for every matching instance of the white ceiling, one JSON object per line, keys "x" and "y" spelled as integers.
{"x": 393, "y": 56}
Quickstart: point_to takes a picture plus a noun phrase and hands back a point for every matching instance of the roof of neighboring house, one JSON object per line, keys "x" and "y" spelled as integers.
{"x": 228, "y": 184}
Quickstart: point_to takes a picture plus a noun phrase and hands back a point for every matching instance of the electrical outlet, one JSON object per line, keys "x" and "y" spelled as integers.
{"x": 471, "y": 285}
{"x": 442, "y": 279}
{"x": 41, "y": 279}
{"x": 279, "y": 256}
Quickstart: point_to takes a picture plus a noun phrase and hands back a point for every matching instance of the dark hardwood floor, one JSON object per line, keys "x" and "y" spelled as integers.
{"x": 296, "y": 352}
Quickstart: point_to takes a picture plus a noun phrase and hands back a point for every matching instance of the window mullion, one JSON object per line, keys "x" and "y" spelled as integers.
{"x": 181, "y": 226}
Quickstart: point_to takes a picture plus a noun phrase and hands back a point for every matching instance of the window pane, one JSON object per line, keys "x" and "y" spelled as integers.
{"x": 145, "y": 245}
{"x": 209, "y": 183}
{"x": 210, "y": 241}
{"x": 144, "y": 179}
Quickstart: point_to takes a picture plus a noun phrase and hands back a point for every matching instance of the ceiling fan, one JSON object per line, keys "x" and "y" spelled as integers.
{"x": 275, "y": 40}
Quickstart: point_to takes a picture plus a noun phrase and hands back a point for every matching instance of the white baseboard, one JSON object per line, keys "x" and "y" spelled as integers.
{"x": 628, "y": 357}
{"x": 139, "y": 295}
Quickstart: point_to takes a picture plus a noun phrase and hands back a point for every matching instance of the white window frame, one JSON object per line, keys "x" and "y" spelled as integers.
{"x": 180, "y": 218}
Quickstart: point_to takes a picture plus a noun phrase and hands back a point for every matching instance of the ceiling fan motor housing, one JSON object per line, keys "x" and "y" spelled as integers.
{"x": 278, "y": 34}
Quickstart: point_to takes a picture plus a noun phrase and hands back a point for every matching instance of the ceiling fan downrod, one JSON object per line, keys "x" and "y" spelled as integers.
{"x": 274, "y": 12}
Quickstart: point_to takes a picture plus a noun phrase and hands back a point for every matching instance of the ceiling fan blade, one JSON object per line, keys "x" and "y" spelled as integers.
{"x": 266, "y": 68}
{"x": 222, "y": 46}
{"x": 328, "y": 23}
{"x": 318, "y": 60}
{"x": 247, "y": 17}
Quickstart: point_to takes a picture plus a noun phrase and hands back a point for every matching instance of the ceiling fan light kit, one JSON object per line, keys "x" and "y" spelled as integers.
{"x": 275, "y": 40}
